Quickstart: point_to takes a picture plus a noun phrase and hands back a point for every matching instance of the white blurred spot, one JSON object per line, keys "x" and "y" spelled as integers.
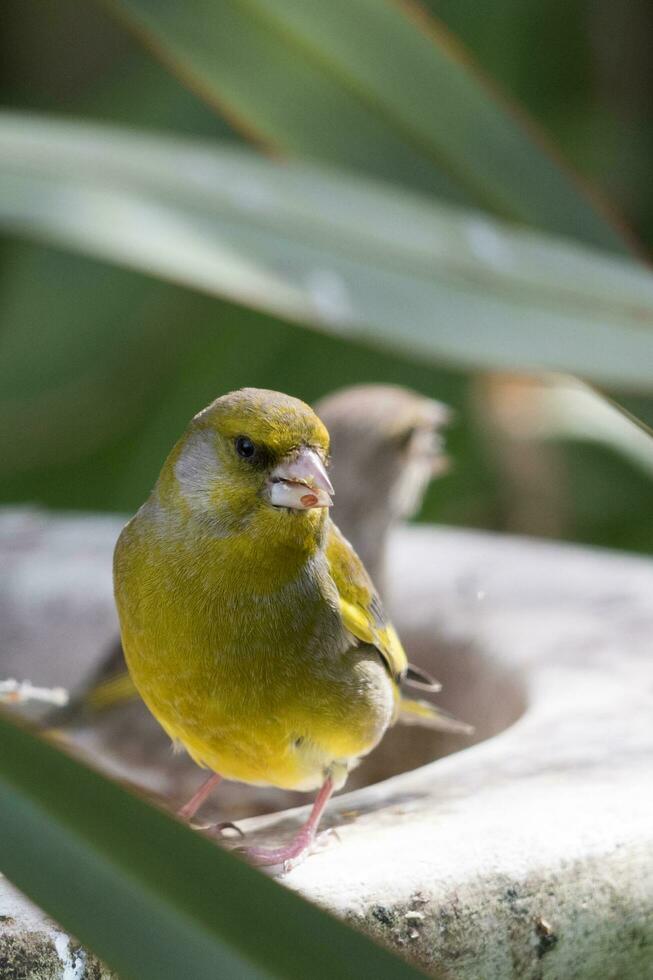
{"x": 18, "y": 692}
{"x": 330, "y": 296}
{"x": 201, "y": 172}
{"x": 487, "y": 245}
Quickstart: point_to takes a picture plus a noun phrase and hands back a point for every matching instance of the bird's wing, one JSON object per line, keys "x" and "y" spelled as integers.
{"x": 360, "y": 606}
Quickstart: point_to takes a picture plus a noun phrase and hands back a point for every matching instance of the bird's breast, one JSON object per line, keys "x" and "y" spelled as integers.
{"x": 253, "y": 682}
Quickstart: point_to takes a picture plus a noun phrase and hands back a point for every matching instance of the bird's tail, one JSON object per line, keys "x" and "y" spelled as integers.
{"x": 114, "y": 690}
{"x": 428, "y": 715}
{"x": 111, "y": 687}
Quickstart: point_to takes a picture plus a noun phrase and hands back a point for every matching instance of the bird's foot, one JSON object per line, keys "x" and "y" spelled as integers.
{"x": 188, "y": 811}
{"x": 281, "y": 860}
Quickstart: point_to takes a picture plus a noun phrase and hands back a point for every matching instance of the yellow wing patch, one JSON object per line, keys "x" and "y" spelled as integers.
{"x": 360, "y": 606}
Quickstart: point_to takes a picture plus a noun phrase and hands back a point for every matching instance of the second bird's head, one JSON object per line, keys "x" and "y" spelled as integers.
{"x": 251, "y": 454}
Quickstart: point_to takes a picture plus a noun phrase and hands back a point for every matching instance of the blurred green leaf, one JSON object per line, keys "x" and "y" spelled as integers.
{"x": 155, "y": 900}
{"x": 71, "y": 382}
{"x": 351, "y": 257}
{"x": 609, "y": 497}
{"x": 202, "y": 346}
{"x": 374, "y": 85}
{"x": 86, "y": 348}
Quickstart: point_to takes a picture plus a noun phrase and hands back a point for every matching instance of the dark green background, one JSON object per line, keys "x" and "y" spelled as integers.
{"x": 100, "y": 368}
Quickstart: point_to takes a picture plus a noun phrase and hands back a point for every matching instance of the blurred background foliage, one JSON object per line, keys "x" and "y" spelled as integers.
{"x": 100, "y": 368}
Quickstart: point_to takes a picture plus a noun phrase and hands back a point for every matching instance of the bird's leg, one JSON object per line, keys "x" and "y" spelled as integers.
{"x": 188, "y": 810}
{"x": 300, "y": 846}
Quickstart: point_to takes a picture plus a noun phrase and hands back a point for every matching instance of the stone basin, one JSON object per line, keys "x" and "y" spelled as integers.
{"x": 527, "y": 854}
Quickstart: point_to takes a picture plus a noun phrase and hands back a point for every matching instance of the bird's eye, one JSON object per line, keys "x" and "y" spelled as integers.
{"x": 245, "y": 447}
{"x": 404, "y": 438}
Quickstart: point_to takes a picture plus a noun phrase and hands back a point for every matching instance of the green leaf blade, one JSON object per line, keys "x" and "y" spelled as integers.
{"x": 344, "y": 255}
{"x": 153, "y": 899}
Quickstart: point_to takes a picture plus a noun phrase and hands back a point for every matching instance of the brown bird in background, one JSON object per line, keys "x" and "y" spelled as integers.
{"x": 385, "y": 430}
{"x": 395, "y": 435}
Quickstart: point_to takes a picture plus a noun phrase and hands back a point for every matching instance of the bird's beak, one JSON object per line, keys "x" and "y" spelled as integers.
{"x": 300, "y": 482}
{"x": 427, "y": 448}
{"x": 427, "y": 443}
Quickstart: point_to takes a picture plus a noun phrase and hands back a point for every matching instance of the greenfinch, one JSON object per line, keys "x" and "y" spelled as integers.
{"x": 250, "y": 627}
{"x": 387, "y": 430}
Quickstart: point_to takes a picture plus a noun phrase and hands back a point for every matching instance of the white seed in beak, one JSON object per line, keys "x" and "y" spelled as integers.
{"x": 301, "y": 482}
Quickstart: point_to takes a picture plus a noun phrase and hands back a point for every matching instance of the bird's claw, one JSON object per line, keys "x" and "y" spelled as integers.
{"x": 216, "y": 829}
{"x": 219, "y": 828}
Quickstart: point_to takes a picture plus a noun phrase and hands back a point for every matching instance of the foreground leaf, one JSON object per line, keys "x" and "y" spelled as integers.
{"x": 153, "y": 899}
{"x": 351, "y": 257}
{"x": 372, "y": 84}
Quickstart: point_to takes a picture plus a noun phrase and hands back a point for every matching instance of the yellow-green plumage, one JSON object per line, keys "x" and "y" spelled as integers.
{"x": 252, "y": 631}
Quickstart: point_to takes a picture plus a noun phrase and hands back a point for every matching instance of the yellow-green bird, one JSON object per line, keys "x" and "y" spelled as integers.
{"x": 250, "y": 627}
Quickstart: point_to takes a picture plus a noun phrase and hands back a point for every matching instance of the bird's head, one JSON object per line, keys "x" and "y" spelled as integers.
{"x": 391, "y": 433}
{"x": 250, "y": 455}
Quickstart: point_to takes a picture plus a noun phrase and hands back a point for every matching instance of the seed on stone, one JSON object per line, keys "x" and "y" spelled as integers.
{"x": 414, "y": 916}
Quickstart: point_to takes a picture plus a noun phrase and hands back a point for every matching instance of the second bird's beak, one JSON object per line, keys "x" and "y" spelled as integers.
{"x": 300, "y": 482}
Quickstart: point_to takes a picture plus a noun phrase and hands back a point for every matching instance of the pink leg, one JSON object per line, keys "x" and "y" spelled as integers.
{"x": 300, "y": 846}
{"x": 188, "y": 810}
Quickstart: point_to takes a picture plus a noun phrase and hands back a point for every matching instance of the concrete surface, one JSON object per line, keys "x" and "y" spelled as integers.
{"x": 526, "y": 855}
